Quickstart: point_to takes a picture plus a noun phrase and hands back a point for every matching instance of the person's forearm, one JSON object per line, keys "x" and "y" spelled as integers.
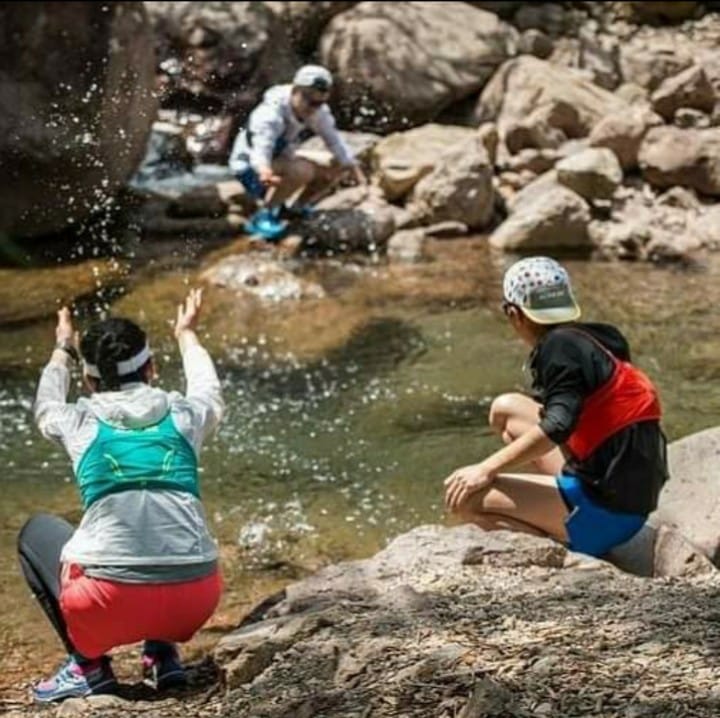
{"x": 187, "y": 338}
{"x": 52, "y": 390}
{"x": 202, "y": 379}
{"x": 531, "y": 445}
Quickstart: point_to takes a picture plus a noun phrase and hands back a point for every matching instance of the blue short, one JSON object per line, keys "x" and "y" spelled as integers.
{"x": 591, "y": 528}
{"x": 251, "y": 182}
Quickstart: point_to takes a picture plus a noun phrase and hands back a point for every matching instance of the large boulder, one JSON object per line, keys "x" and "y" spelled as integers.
{"x": 537, "y": 104}
{"x": 544, "y": 215}
{"x": 220, "y": 55}
{"x": 690, "y": 501}
{"x": 690, "y": 158}
{"x": 76, "y": 106}
{"x": 460, "y": 188}
{"x": 400, "y": 64}
{"x": 305, "y": 21}
{"x": 403, "y": 158}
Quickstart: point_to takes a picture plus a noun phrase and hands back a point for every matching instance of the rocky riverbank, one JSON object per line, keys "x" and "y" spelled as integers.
{"x": 458, "y": 622}
{"x": 461, "y": 622}
{"x": 588, "y": 127}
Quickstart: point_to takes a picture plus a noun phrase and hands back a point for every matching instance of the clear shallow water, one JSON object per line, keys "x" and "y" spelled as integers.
{"x": 327, "y": 458}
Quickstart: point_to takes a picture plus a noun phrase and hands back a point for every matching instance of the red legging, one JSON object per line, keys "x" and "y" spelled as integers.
{"x": 102, "y": 614}
{"x": 91, "y": 615}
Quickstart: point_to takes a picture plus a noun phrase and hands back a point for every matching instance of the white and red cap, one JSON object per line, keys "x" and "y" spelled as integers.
{"x": 540, "y": 288}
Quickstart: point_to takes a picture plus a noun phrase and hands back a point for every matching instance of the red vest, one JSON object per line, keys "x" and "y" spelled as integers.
{"x": 627, "y": 397}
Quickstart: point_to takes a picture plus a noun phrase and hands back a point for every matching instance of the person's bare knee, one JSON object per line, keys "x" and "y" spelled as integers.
{"x": 502, "y": 408}
{"x": 472, "y": 509}
{"x": 302, "y": 172}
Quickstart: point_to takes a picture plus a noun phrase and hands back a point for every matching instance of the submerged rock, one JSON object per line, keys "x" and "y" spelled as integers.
{"x": 267, "y": 279}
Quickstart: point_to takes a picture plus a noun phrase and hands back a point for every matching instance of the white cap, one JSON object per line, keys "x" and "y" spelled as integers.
{"x": 314, "y": 76}
{"x": 540, "y": 288}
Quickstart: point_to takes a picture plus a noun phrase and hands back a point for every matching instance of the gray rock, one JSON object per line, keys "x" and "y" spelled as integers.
{"x": 459, "y": 189}
{"x": 407, "y": 246}
{"x": 536, "y": 42}
{"x": 553, "y": 218}
{"x": 402, "y": 159}
{"x": 404, "y": 62}
{"x": 623, "y": 133}
{"x": 648, "y": 61}
{"x": 365, "y": 228}
{"x": 538, "y": 104}
{"x": 690, "y": 501}
{"x": 690, "y": 88}
{"x": 690, "y": 158}
{"x": 594, "y": 173}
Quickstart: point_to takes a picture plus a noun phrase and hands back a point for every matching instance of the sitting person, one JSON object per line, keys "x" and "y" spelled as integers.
{"x": 594, "y": 436}
{"x": 263, "y": 154}
{"x": 142, "y": 565}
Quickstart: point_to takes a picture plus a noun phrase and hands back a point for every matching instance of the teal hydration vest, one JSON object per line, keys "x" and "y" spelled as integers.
{"x": 152, "y": 457}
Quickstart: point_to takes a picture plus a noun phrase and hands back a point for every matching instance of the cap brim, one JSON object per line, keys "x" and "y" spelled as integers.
{"x": 554, "y": 315}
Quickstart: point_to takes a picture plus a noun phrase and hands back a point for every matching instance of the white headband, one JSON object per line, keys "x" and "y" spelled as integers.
{"x": 125, "y": 367}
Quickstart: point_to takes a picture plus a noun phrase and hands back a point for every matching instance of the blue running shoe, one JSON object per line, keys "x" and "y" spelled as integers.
{"x": 265, "y": 223}
{"x": 162, "y": 667}
{"x": 74, "y": 680}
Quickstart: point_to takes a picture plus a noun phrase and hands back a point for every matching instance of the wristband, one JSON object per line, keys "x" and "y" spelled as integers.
{"x": 69, "y": 349}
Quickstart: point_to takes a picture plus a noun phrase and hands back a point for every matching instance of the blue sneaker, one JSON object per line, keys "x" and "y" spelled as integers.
{"x": 162, "y": 667}
{"x": 267, "y": 224}
{"x": 74, "y": 680}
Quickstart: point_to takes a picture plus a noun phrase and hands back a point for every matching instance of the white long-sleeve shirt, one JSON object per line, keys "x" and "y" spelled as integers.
{"x": 273, "y": 130}
{"x": 138, "y": 534}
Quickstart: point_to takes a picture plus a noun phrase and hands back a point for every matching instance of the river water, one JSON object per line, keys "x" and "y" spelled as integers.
{"x": 344, "y": 414}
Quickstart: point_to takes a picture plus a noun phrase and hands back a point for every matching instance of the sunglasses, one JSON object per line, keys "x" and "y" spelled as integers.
{"x": 312, "y": 101}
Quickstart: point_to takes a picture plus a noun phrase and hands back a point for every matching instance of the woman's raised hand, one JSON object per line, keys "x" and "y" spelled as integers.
{"x": 188, "y": 313}
{"x": 64, "y": 331}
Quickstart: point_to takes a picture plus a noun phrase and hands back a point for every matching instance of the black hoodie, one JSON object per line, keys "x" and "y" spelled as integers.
{"x": 626, "y": 472}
